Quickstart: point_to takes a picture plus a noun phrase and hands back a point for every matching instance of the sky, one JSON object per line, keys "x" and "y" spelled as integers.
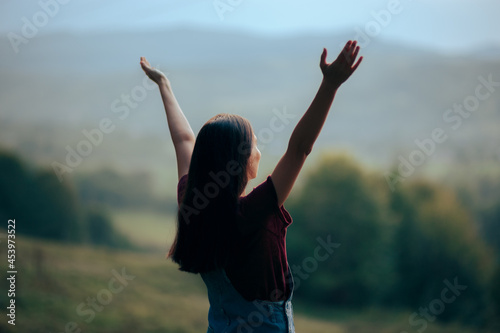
{"x": 445, "y": 25}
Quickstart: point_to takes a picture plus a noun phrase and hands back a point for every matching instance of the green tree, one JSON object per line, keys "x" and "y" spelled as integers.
{"x": 46, "y": 208}
{"x": 340, "y": 201}
{"x": 41, "y": 205}
{"x": 101, "y": 230}
{"x": 437, "y": 240}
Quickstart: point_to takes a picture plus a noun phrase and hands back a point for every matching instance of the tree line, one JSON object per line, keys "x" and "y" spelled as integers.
{"x": 398, "y": 248}
{"x": 46, "y": 208}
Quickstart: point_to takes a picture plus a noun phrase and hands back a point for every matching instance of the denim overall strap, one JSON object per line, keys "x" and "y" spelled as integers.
{"x": 230, "y": 313}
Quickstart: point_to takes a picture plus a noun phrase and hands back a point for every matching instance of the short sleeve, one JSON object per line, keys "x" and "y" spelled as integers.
{"x": 181, "y": 188}
{"x": 261, "y": 205}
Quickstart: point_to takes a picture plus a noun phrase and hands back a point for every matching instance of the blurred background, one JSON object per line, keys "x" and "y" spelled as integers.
{"x": 404, "y": 177}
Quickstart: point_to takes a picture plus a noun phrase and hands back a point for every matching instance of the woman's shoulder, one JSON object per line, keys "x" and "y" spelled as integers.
{"x": 263, "y": 194}
{"x": 262, "y": 203}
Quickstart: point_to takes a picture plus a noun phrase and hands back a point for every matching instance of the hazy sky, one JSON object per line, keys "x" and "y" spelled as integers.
{"x": 444, "y": 24}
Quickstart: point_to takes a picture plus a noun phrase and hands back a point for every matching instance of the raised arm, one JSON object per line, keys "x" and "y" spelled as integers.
{"x": 309, "y": 126}
{"x": 180, "y": 130}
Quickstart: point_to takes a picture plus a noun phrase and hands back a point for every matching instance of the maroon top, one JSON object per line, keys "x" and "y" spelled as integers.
{"x": 261, "y": 268}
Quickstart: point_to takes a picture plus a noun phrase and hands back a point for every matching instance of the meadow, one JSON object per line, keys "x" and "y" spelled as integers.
{"x": 68, "y": 288}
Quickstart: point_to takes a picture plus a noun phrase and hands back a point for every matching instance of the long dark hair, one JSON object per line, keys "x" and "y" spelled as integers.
{"x": 217, "y": 176}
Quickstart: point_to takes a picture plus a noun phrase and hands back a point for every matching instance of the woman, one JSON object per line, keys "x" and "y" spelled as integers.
{"x": 236, "y": 241}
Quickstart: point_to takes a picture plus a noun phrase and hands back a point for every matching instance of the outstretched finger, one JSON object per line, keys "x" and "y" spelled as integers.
{"x": 355, "y": 54}
{"x": 347, "y": 46}
{"x": 145, "y": 61}
{"x": 353, "y": 48}
{"x": 357, "y": 64}
{"x": 346, "y": 50}
{"x": 323, "y": 58}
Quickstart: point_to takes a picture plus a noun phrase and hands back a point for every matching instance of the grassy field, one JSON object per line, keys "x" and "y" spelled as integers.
{"x": 68, "y": 288}
{"x": 152, "y": 230}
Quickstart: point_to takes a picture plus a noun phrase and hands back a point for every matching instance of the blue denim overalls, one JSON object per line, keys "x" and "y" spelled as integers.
{"x": 231, "y": 313}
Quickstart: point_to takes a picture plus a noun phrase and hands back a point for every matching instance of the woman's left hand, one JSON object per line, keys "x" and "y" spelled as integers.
{"x": 342, "y": 68}
{"x": 153, "y": 73}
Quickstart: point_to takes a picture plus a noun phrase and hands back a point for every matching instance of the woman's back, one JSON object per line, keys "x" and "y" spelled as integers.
{"x": 258, "y": 267}
{"x": 257, "y": 285}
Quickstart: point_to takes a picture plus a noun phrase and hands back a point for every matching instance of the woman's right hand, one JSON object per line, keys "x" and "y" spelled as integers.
{"x": 342, "y": 68}
{"x": 153, "y": 73}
